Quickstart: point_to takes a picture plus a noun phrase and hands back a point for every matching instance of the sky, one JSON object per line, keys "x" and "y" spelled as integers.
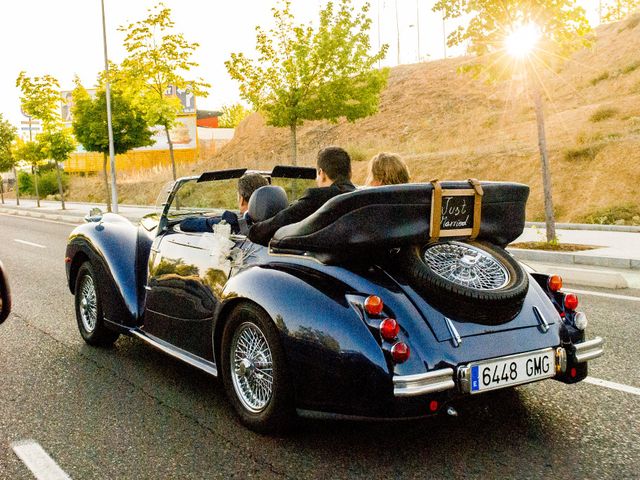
{"x": 64, "y": 37}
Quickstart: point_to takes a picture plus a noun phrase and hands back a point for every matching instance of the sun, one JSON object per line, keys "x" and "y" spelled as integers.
{"x": 522, "y": 40}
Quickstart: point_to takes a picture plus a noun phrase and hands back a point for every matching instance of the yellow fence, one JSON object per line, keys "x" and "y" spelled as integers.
{"x": 130, "y": 161}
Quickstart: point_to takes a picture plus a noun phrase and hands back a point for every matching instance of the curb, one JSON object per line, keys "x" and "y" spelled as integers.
{"x": 588, "y": 226}
{"x": 584, "y": 277}
{"x": 47, "y": 216}
{"x": 562, "y": 258}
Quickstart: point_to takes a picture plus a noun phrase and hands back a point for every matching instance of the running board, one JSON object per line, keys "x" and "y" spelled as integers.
{"x": 175, "y": 352}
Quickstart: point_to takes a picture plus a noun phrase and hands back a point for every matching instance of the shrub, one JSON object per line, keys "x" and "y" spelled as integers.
{"x": 47, "y": 183}
{"x": 600, "y": 78}
{"x": 603, "y": 113}
{"x": 628, "y": 214}
{"x": 357, "y": 154}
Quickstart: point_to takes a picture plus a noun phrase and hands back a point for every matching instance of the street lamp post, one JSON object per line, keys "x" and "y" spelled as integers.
{"x": 114, "y": 190}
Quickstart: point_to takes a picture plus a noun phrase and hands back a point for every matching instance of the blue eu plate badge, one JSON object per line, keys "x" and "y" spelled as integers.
{"x": 475, "y": 383}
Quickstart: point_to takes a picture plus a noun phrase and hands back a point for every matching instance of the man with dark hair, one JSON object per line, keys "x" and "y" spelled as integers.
{"x": 247, "y": 184}
{"x": 333, "y": 177}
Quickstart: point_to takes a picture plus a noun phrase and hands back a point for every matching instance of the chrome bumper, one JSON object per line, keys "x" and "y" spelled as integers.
{"x": 588, "y": 350}
{"x": 422, "y": 383}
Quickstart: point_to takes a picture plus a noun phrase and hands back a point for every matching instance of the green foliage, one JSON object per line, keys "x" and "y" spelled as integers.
{"x": 47, "y": 183}
{"x": 7, "y": 137}
{"x": 563, "y": 27}
{"x": 357, "y": 154}
{"x": 58, "y": 144}
{"x": 130, "y": 130}
{"x": 603, "y": 113}
{"x": 232, "y": 115}
{"x": 306, "y": 73}
{"x": 615, "y": 10}
{"x": 32, "y": 152}
{"x": 603, "y": 76}
{"x": 628, "y": 214}
{"x": 158, "y": 57}
{"x": 40, "y": 98}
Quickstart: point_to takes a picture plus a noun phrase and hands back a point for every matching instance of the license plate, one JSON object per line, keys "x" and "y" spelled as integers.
{"x": 513, "y": 370}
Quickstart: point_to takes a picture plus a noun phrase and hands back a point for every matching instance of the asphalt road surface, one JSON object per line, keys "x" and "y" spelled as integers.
{"x": 132, "y": 412}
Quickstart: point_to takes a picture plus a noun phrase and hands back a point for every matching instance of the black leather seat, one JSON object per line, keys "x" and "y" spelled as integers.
{"x": 266, "y": 201}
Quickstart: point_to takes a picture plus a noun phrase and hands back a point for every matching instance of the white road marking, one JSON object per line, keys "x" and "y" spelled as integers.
{"x": 615, "y": 386}
{"x": 38, "y": 461}
{"x": 45, "y": 220}
{"x": 24, "y": 242}
{"x": 600, "y": 294}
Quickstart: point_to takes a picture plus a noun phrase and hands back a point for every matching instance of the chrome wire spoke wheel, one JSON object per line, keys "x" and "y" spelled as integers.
{"x": 251, "y": 367}
{"x": 466, "y": 265}
{"x": 88, "y": 304}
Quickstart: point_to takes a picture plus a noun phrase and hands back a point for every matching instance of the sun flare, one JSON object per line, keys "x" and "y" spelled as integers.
{"x": 522, "y": 40}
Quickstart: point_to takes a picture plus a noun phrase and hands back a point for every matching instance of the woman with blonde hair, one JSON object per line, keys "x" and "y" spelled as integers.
{"x": 387, "y": 169}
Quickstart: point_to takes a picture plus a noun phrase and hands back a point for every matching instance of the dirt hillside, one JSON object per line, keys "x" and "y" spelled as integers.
{"x": 449, "y": 126}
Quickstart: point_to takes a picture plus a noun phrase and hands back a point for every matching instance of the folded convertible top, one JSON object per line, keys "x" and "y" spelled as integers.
{"x": 392, "y": 216}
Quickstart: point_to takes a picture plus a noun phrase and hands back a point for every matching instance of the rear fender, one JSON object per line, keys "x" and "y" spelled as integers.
{"x": 120, "y": 253}
{"x": 334, "y": 360}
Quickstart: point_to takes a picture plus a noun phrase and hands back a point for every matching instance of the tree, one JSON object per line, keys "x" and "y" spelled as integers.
{"x": 232, "y": 115}
{"x": 303, "y": 73}
{"x": 157, "y": 60}
{"x": 41, "y": 99}
{"x": 58, "y": 145}
{"x": 619, "y": 9}
{"x": 538, "y": 34}
{"x": 32, "y": 152}
{"x": 7, "y": 137}
{"x": 130, "y": 130}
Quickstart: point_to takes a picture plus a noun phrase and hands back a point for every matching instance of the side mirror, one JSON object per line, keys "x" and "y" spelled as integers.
{"x": 5, "y": 295}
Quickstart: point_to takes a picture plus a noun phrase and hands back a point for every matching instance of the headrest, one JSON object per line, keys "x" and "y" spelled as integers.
{"x": 266, "y": 201}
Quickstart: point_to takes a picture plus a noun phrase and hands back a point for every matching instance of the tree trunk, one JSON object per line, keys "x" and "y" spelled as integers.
{"x": 2, "y": 190}
{"x": 16, "y": 186}
{"x": 60, "y": 189}
{"x": 546, "y": 171}
{"x": 35, "y": 177}
{"x": 173, "y": 161}
{"x": 294, "y": 144}
{"x": 106, "y": 181}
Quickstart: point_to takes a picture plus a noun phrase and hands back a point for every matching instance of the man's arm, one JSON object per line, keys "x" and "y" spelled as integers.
{"x": 262, "y": 232}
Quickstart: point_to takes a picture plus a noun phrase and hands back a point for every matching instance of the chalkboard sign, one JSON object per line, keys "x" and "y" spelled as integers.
{"x": 453, "y": 214}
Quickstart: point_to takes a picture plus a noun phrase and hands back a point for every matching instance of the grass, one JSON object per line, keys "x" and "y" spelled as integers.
{"x": 581, "y": 153}
{"x": 603, "y": 76}
{"x": 603, "y": 113}
{"x": 627, "y": 214}
{"x": 631, "y": 67}
{"x": 553, "y": 246}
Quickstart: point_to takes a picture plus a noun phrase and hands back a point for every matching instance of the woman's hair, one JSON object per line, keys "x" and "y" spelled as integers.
{"x": 388, "y": 169}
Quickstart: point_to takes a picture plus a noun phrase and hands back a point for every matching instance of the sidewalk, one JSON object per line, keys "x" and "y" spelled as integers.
{"x": 615, "y": 263}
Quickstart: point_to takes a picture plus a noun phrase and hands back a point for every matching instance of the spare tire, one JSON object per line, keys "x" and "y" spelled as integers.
{"x": 469, "y": 281}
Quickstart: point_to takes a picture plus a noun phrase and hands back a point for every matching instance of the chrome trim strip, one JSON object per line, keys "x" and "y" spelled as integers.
{"x": 589, "y": 350}
{"x": 543, "y": 321}
{"x": 175, "y": 352}
{"x": 456, "y": 339}
{"x": 422, "y": 383}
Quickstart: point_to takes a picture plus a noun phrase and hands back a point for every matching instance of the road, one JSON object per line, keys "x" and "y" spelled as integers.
{"x": 131, "y": 412}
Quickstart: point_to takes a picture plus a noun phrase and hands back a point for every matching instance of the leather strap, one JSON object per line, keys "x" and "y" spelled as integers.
{"x": 436, "y": 210}
{"x": 477, "y": 207}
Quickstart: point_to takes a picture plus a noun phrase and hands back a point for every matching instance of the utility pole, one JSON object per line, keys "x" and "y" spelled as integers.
{"x": 379, "y": 27}
{"x": 444, "y": 37}
{"x": 114, "y": 191}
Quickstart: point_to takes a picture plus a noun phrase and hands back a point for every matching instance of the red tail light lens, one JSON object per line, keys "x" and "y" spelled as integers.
{"x": 389, "y": 329}
{"x": 373, "y": 305}
{"x": 571, "y": 301}
{"x": 400, "y": 352}
{"x": 433, "y": 405}
{"x": 555, "y": 283}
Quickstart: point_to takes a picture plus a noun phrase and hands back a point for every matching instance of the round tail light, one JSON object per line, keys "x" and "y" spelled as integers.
{"x": 389, "y": 329}
{"x": 373, "y": 305}
{"x": 555, "y": 283}
{"x": 433, "y": 405}
{"x": 571, "y": 301}
{"x": 400, "y": 352}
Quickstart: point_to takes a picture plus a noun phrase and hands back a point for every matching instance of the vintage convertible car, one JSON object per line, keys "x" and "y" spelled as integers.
{"x": 388, "y": 302}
